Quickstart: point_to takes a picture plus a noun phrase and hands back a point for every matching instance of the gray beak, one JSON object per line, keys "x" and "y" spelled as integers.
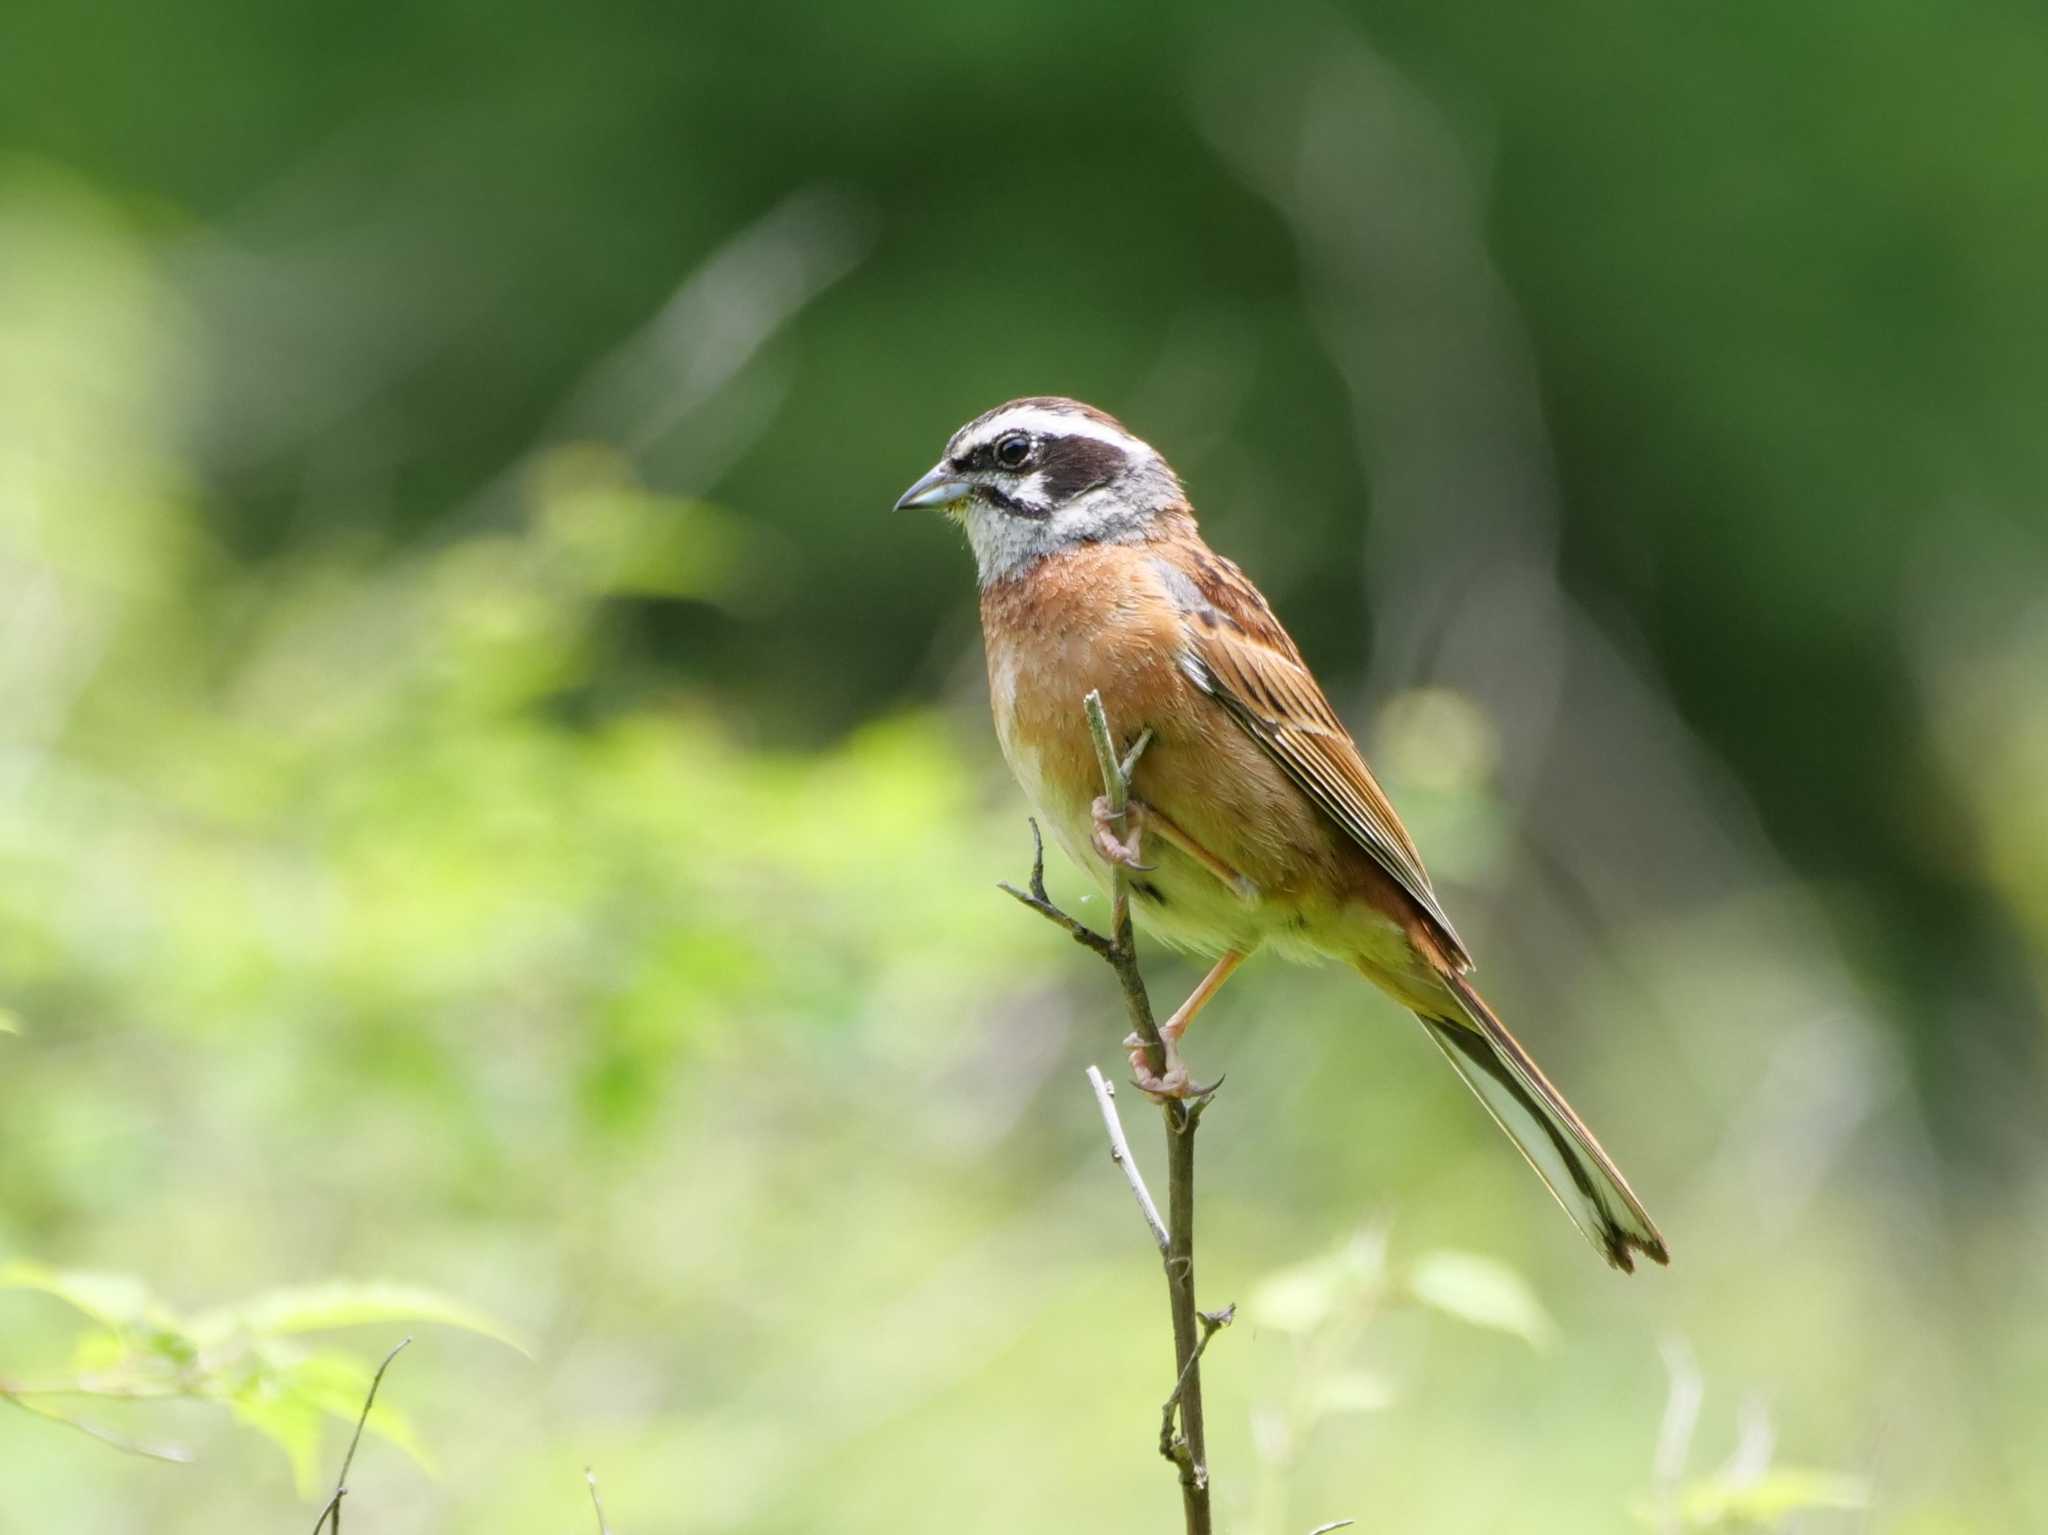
{"x": 939, "y": 486}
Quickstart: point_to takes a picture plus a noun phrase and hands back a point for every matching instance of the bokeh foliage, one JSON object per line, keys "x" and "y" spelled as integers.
{"x": 489, "y": 798}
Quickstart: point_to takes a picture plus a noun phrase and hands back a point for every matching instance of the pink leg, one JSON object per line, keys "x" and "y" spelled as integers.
{"x": 1160, "y": 822}
{"x": 1139, "y": 817}
{"x": 1175, "y": 1082}
{"x": 1198, "y": 999}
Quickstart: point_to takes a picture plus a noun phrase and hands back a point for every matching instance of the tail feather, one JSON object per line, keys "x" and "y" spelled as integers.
{"x": 1555, "y": 1140}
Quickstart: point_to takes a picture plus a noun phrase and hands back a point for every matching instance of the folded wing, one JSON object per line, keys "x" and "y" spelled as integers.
{"x": 1238, "y": 654}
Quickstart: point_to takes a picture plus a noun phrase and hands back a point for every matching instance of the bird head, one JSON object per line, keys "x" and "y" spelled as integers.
{"x": 1039, "y": 475}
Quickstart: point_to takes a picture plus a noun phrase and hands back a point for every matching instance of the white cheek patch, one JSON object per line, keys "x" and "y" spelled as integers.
{"x": 1031, "y": 490}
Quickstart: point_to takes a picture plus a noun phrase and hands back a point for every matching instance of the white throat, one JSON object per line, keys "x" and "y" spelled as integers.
{"x": 1005, "y": 544}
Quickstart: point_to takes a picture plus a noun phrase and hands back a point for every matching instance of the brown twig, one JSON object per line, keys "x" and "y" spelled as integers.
{"x": 1212, "y": 1322}
{"x": 1186, "y": 1448}
{"x": 331, "y": 1514}
{"x": 1036, "y": 898}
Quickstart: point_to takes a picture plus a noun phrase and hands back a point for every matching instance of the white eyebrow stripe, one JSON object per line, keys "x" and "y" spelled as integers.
{"x": 1039, "y": 421}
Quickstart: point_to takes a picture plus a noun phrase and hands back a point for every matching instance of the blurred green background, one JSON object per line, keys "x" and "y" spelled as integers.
{"x": 491, "y": 800}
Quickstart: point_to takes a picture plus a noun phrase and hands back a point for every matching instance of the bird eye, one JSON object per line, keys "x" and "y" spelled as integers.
{"x": 1014, "y": 451}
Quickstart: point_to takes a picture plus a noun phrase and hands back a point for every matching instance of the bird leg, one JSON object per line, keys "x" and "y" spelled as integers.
{"x": 1162, "y": 823}
{"x": 1117, "y": 850}
{"x": 1174, "y": 1081}
{"x": 1177, "y": 1025}
{"x": 1143, "y": 817}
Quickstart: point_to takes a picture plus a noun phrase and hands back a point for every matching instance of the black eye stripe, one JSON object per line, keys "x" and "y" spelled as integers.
{"x": 1075, "y": 464}
{"x": 1069, "y": 463}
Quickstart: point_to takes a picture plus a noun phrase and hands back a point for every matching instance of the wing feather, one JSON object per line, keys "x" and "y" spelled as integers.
{"x": 1238, "y": 654}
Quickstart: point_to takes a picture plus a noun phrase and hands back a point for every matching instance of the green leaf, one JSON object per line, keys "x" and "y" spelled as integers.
{"x": 116, "y": 1301}
{"x": 288, "y": 1419}
{"x": 154, "y": 1449}
{"x": 10, "y": 1021}
{"x": 169, "y": 1345}
{"x": 337, "y": 1385}
{"x": 347, "y": 1303}
{"x": 1716, "y": 1503}
{"x": 97, "y": 1352}
{"x": 1304, "y": 1296}
{"x": 1772, "y": 1497}
{"x": 1484, "y": 1292}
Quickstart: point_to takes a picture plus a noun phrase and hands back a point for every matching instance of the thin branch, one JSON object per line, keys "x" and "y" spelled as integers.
{"x": 1212, "y": 1322}
{"x": 1120, "y": 1153}
{"x": 1115, "y": 785}
{"x": 1123, "y": 947}
{"x": 1334, "y": 1524}
{"x": 596, "y": 1502}
{"x": 1190, "y": 1452}
{"x": 331, "y": 1514}
{"x": 1040, "y": 902}
{"x": 1187, "y": 1448}
{"x": 1137, "y": 750}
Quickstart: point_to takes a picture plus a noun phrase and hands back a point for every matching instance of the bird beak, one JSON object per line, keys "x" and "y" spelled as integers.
{"x": 939, "y": 486}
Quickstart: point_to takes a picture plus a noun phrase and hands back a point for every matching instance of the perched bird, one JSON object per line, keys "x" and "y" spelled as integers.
{"x": 1254, "y": 822}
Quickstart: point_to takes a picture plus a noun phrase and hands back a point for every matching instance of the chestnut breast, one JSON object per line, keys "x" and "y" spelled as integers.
{"x": 1099, "y": 616}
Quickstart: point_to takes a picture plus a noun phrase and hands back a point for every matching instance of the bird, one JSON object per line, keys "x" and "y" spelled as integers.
{"x": 1253, "y": 824}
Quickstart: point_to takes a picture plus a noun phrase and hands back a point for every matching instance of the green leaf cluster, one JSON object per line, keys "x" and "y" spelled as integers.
{"x": 246, "y": 1357}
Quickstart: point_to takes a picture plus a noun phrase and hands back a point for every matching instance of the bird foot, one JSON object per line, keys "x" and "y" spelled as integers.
{"x": 1120, "y": 851}
{"x": 1174, "y": 1082}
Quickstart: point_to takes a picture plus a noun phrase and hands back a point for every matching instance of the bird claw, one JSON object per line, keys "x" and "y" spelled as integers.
{"x": 1175, "y": 1084}
{"x": 1119, "y": 851}
{"x": 1170, "y": 1084}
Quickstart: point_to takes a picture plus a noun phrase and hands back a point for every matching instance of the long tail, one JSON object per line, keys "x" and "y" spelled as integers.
{"x": 1554, "y": 1139}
